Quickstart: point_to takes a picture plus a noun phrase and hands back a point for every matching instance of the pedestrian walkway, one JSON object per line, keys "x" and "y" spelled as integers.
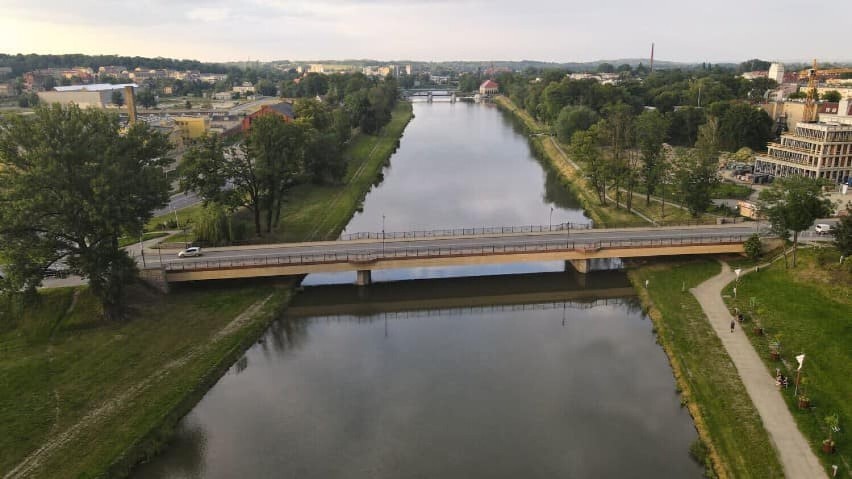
{"x": 794, "y": 452}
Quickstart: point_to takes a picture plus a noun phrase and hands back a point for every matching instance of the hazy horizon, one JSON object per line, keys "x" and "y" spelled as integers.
{"x": 727, "y": 31}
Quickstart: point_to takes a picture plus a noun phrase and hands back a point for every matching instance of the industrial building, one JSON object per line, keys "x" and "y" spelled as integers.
{"x": 97, "y": 95}
{"x": 815, "y": 149}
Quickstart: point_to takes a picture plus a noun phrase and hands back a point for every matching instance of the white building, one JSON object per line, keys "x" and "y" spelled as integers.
{"x": 245, "y": 88}
{"x": 776, "y": 72}
{"x": 98, "y": 95}
{"x": 817, "y": 150}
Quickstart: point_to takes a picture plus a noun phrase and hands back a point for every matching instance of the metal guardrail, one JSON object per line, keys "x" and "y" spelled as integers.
{"x": 376, "y": 254}
{"x": 479, "y": 231}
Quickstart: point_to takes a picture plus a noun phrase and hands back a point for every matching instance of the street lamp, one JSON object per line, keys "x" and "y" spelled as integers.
{"x": 550, "y": 221}
{"x": 383, "y": 235}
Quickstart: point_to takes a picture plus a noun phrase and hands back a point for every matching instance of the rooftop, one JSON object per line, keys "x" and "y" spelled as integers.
{"x": 95, "y": 87}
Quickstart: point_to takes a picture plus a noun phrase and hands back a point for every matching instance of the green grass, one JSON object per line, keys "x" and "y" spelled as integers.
{"x": 723, "y": 412}
{"x": 728, "y": 189}
{"x": 184, "y": 215}
{"x": 810, "y": 309}
{"x": 57, "y": 366}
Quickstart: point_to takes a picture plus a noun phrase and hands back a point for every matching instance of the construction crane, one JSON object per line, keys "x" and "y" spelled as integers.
{"x": 809, "y": 115}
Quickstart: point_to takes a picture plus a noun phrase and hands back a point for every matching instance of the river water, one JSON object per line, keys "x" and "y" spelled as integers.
{"x": 542, "y": 373}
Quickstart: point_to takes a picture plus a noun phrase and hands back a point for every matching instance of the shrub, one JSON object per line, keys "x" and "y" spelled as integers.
{"x": 752, "y": 247}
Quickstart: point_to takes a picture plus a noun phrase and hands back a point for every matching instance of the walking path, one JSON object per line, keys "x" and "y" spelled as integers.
{"x": 794, "y": 452}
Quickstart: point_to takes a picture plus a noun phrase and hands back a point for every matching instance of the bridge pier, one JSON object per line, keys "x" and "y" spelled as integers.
{"x": 578, "y": 265}
{"x": 364, "y": 278}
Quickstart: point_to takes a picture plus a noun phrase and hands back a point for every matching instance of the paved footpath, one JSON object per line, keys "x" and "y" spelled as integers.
{"x": 794, "y": 452}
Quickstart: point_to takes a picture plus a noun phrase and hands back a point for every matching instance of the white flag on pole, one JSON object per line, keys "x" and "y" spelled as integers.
{"x": 801, "y": 359}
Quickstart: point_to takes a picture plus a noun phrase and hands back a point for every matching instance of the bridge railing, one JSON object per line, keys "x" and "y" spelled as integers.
{"x": 479, "y": 231}
{"x": 366, "y": 257}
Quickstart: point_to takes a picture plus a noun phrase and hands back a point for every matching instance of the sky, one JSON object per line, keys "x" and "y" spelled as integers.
{"x": 427, "y": 30}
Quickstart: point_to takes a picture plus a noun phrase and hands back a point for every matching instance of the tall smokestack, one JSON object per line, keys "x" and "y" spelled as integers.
{"x": 652, "y": 57}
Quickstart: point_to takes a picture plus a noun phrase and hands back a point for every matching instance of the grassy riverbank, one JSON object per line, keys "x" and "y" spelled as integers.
{"x": 80, "y": 397}
{"x": 728, "y": 424}
{"x": 807, "y": 309}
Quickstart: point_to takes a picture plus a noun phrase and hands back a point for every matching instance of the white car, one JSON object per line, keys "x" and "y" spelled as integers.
{"x": 190, "y": 252}
{"x": 822, "y": 229}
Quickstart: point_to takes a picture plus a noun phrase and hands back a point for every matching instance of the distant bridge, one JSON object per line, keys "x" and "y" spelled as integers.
{"x": 404, "y": 250}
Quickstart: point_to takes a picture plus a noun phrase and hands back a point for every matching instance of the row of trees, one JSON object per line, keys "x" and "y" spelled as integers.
{"x": 622, "y": 151}
{"x": 276, "y": 155}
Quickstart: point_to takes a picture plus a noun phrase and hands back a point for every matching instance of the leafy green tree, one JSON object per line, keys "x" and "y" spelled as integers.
{"x": 606, "y": 68}
{"x": 832, "y": 96}
{"x": 572, "y": 119}
{"x": 146, "y": 98}
{"x": 117, "y": 98}
{"x": 744, "y": 125}
{"x": 314, "y": 112}
{"x": 616, "y": 131}
{"x": 584, "y": 149}
{"x": 651, "y": 128}
{"x": 792, "y": 204}
{"x": 843, "y": 233}
{"x": 72, "y": 184}
{"x": 684, "y": 124}
{"x": 752, "y": 247}
{"x": 695, "y": 175}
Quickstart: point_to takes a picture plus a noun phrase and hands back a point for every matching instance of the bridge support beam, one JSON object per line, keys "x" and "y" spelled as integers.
{"x": 365, "y": 277}
{"x": 578, "y": 265}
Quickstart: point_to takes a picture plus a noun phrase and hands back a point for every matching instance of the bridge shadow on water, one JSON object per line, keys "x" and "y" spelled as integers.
{"x": 426, "y": 297}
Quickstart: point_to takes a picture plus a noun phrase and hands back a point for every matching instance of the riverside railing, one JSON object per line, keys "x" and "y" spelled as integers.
{"x": 478, "y": 231}
{"x": 378, "y": 253}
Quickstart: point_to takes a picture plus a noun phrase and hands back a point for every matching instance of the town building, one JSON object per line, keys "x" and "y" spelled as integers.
{"x": 816, "y": 150}
{"x": 283, "y": 110}
{"x": 7, "y": 89}
{"x": 98, "y": 95}
{"x": 191, "y": 128}
{"x": 489, "y": 87}
{"x": 776, "y": 72}
{"x": 244, "y": 89}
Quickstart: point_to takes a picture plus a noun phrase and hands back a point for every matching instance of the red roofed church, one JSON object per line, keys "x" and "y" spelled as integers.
{"x": 489, "y": 87}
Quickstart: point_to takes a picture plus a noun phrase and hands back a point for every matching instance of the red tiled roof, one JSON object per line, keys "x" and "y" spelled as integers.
{"x": 489, "y": 84}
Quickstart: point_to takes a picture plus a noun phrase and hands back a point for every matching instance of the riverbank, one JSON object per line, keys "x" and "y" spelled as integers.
{"x": 806, "y": 312}
{"x": 81, "y": 397}
{"x": 735, "y": 443}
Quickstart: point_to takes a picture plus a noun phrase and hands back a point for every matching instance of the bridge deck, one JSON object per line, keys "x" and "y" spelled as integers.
{"x": 337, "y": 256}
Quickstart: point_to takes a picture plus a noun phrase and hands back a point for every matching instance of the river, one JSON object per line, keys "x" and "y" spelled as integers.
{"x": 434, "y": 373}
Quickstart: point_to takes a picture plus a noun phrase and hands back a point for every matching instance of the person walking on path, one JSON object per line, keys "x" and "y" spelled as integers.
{"x": 733, "y": 323}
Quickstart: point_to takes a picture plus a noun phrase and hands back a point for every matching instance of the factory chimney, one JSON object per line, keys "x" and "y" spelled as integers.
{"x": 652, "y": 57}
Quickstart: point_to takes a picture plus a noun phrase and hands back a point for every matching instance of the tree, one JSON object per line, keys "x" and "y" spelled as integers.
{"x": 684, "y": 124}
{"x": 696, "y": 177}
{"x": 584, "y": 149}
{"x": 606, "y": 68}
{"x": 147, "y": 99}
{"x": 72, "y": 184}
{"x": 616, "y": 132}
{"x": 117, "y": 98}
{"x": 752, "y": 247}
{"x": 744, "y": 125}
{"x": 188, "y": 105}
{"x": 572, "y": 119}
{"x": 792, "y": 204}
{"x": 651, "y": 128}
{"x": 832, "y": 96}
{"x": 842, "y": 232}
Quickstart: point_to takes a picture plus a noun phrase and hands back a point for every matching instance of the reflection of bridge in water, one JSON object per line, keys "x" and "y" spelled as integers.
{"x": 436, "y": 297}
{"x": 431, "y": 95}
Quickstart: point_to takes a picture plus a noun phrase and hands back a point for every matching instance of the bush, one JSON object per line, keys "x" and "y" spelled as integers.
{"x": 753, "y": 247}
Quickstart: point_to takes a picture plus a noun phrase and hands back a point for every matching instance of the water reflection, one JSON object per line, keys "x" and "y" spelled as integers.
{"x": 498, "y": 388}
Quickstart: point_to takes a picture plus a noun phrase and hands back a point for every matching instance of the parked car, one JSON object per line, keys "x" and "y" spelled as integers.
{"x": 822, "y": 229}
{"x": 190, "y": 252}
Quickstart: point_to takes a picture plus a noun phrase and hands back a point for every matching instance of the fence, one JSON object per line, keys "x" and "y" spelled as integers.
{"x": 479, "y": 231}
{"x": 377, "y": 253}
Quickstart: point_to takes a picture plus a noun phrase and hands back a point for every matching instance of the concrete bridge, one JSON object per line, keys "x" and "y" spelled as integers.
{"x": 365, "y": 253}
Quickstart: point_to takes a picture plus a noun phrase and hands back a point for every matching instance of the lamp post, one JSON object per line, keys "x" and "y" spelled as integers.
{"x": 550, "y": 220}
{"x": 383, "y": 235}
